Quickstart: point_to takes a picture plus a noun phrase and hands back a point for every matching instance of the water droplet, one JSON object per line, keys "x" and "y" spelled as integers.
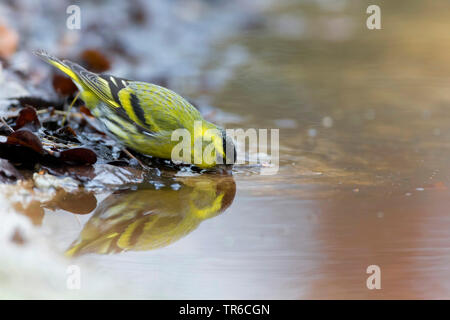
{"x": 176, "y": 186}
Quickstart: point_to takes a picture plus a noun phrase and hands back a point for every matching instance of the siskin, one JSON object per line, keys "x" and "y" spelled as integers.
{"x": 148, "y": 219}
{"x": 143, "y": 116}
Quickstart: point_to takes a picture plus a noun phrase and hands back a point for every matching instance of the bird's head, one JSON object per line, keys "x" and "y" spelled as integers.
{"x": 229, "y": 149}
{"x": 218, "y": 148}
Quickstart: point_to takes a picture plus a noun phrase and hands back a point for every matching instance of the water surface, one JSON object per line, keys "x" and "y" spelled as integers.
{"x": 363, "y": 180}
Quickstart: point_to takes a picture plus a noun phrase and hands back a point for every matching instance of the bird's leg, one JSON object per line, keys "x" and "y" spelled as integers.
{"x": 70, "y": 107}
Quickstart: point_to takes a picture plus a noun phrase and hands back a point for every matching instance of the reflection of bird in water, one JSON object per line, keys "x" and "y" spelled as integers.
{"x": 147, "y": 219}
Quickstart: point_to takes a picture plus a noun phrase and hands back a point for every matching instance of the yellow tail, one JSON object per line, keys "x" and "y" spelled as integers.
{"x": 93, "y": 88}
{"x": 61, "y": 65}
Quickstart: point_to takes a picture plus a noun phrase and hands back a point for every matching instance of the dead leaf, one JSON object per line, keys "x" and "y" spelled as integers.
{"x": 80, "y": 202}
{"x": 63, "y": 85}
{"x": 78, "y": 156}
{"x": 8, "y": 41}
{"x": 95, "y": 60}
{"x": 86, "y": 111}
{"x": 26, "y": 139}
{"x": 32, "y": 210}
{"x": 28, "y": 117}
{"x": 18, "y": 238}
{"x": 67, "y": 133}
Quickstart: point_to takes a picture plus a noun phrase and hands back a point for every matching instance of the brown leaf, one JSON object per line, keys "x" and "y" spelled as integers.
{"x": 28, "y": 117}
{"x": 18, "y": 238}
{"x": 78, "y": 156}
{"x": 66, "y": 133}
{"x": 26, "y": 139}
{"x": 86, "y": 111}
{"x": 63, "y": 85}
{"x": 95, "y": 60}
{"x": 137, "y": 13}
{"x": 80, "y": 202}
{"x": 32, "y": 210}
{"x": 8, "y": 41}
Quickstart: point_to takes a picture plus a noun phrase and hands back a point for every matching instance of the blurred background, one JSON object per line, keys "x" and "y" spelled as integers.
{"x": 364, "y": 148}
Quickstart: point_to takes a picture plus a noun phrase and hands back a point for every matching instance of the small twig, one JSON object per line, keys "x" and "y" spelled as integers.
{"x": 65, "y": 113}
{"x": 50, "y": 143}
{"x": 7, "y": 125}
{"x": 61, "y": 112}
{"x": 130, "y": 155}
{"x": 42, "y": 111}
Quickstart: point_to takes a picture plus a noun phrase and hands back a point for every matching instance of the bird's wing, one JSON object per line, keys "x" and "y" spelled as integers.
{"x": 149, "y": 106}
{"x": 82, "y": 77}
{"x": 146, "y": 106}
{"x": 96, "y": 83}
{"x": 115, "y": 93}
{"x": 156, "y": 107}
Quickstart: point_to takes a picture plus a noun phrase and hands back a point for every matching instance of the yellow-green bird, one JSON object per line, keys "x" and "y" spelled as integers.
{"x": 147, "y": 219}
{"x": 143, "y": 116}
